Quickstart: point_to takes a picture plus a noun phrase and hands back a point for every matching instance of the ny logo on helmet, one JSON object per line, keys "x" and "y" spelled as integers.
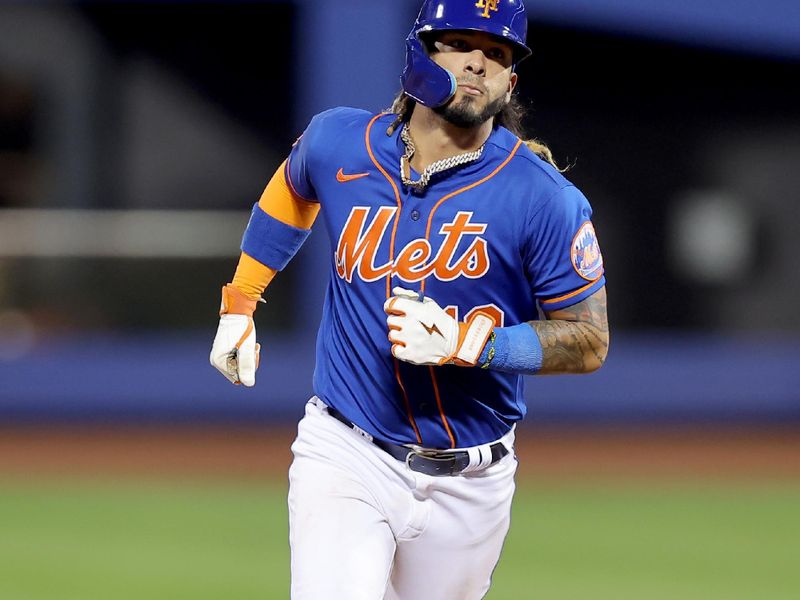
{"x": 487, "y": 5}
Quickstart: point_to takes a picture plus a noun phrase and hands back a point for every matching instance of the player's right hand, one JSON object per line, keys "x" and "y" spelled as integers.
{"x": 422, "y": 333}
{"x": 235, "y": 352}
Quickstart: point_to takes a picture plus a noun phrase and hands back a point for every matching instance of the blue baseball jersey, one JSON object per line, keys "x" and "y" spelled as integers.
{"x": 506, "y": 234}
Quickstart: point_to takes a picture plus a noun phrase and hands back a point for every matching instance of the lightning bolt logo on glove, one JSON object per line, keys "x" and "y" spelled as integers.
{"x": 414, "y": 342}
{"x": 432, "y": 329}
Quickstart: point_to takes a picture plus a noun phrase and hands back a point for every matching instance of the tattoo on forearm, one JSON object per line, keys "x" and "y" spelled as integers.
{"x": 575, "y": 339}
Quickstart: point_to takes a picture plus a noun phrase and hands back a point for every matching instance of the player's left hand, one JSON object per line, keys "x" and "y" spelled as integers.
{"x": 422, "y": 333}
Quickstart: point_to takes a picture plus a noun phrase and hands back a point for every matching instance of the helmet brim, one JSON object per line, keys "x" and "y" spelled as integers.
{"x": 426, "y": 34}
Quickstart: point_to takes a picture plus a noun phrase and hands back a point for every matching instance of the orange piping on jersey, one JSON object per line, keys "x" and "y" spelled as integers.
{"x": 442, "y": 416}
{"x": 427, "y": 236}
{"x": 571, "y": 294}
{"x": 464, "y": 189}
{"x": 441, "y": 409}
{"x": 405, "y": 399}
{"x": 288, "y": 175}
{"x": 391, "y": 261}
{"x": 396, "y": 197}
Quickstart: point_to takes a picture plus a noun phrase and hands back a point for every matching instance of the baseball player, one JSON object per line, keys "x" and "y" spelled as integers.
{"x": 460, "y": 259}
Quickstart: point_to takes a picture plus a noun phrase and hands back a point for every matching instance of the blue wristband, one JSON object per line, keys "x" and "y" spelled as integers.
{"x": 517, "y": 349}
{"x": 270, "y": 241}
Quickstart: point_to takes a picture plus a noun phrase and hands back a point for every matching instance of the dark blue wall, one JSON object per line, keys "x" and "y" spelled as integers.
{"x": 648, "y": 379}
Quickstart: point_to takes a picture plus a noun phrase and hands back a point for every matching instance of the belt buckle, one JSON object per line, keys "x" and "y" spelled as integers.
{"x": 412, "y": 452}
{"x": 409, "y": 456}
{"x": 434, "y": 457}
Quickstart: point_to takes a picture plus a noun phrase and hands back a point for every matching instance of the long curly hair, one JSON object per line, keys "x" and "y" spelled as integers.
{"x": 510, "y": 117}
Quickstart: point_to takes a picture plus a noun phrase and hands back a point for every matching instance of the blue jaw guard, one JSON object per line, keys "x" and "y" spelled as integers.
{"x": 424, "y": 80}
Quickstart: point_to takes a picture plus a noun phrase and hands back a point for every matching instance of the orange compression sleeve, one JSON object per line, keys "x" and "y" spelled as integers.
{"x": 280, "y": 201}
{"x": 252, "y": 277}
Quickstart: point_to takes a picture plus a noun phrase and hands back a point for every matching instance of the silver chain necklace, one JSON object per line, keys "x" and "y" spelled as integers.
{"x": 433, "y": 168}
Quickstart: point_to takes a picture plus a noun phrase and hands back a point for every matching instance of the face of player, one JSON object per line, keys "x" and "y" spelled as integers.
{"x": 482, "y": 65}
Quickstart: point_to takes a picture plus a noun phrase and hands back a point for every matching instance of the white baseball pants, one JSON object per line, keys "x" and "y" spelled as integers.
{"x": 364, "y": 526}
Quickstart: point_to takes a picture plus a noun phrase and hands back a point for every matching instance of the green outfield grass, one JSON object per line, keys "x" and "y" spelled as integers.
{"x": 120, "y": 541}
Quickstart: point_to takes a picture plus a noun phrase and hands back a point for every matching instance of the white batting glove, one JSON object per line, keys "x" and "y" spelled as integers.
{"x": 235, "y": 352}
{"x": 422, "y": 333}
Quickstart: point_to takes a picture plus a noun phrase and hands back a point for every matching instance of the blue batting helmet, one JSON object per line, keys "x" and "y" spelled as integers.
{"x": 428, "y": 83}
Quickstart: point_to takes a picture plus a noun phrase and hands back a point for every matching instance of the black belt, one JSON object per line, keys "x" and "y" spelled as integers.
{"x": 430, "y": 463}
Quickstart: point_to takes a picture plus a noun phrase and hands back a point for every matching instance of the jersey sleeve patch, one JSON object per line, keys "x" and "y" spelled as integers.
{"x": 585, "y": 254}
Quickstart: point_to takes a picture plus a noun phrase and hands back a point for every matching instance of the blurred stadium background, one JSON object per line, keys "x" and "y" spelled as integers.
{"x": 135, "y": 137}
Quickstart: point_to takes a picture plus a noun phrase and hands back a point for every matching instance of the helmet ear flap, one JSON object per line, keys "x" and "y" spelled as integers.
{"x": 423, "y": 80}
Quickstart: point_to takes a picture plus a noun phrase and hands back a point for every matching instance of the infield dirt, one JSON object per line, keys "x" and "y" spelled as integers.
{"x": 263, "y": 452}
